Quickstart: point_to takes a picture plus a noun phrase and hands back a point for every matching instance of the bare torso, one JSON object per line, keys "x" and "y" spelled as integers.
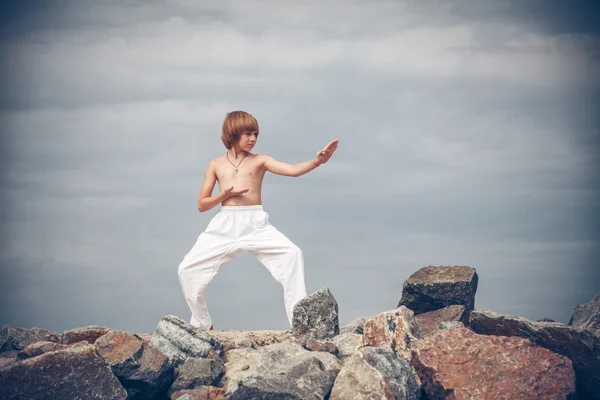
{"x": 250, "y": 176}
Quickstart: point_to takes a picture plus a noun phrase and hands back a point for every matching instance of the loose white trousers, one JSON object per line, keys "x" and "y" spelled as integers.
{"x": 233, "y": 230}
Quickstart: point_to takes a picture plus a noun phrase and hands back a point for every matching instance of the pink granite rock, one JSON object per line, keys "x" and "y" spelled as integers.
{"x": 396, "y": 329}
{"x": 461, "y": 364}
{"x": 85, "y": 333}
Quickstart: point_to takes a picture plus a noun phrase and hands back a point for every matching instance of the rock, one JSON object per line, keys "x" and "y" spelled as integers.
{"x": 179, "y": 340}
{"x": 356, "y": 326}
{"x": 376, "y": 373}
{"x": 13, "y": 338}
{"x": 146, "y": 337}
{"x": 347, "y": 344}
{"x": 197, "y": 372}
{"x": 86, "y": 333}
{"x": 143, "y": 371}
{"x": 246, "y": 339}
{"x": 279, "y": 371}
{"x": 316, "y": 316}
{"x": 321, "y": 345}
{"x": 201, "y": 393}
{"x": 461, "y": 364}
{"x": 435, "y": 287}
{"x": 75, "y": 372}
{"x": 546, "y": 320}
{"x": 587, "y": 315}
{"x": 9, "y": 357}
{"x": 395, "y": 329}
{"x": 450, "y": 325}
{"x": 580, "y": 345}
{"x": 37, "y": 348}
{"x": 429, "y": 321}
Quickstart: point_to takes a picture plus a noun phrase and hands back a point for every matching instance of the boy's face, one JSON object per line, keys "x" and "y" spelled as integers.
{"x": 247, "y": 140}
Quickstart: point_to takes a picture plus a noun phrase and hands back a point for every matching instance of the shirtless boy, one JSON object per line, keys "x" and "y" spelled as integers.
{"x": 242, "y": 224}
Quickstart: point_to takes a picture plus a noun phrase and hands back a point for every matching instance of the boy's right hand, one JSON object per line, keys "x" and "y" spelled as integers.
{"x": 229, "y": 192}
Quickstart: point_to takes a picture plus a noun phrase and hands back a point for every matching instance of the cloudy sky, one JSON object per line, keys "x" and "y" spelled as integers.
{"x": 467, "y": 137}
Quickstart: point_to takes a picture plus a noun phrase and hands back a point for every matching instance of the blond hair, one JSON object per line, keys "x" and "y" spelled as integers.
{"x": 236, "y": 123}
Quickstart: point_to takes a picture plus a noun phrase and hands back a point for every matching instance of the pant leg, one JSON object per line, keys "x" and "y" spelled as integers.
{"x": 213, "y": 248}
{"x": 283, "y": 259}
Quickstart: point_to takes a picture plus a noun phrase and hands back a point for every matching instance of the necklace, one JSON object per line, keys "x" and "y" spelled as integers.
{"x": 236, "y": 166}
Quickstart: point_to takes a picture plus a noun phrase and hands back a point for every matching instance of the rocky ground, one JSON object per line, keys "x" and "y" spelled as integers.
{"x": 433, "y": 345}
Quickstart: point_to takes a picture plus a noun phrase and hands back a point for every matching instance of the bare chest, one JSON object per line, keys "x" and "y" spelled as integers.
{"x": 249, "y": 172}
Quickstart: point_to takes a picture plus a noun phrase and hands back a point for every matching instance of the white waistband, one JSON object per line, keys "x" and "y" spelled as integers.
{"x": 242, "y": 208}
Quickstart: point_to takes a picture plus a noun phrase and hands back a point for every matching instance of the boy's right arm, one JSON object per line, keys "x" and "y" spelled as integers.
{"x": 205, "y": 200}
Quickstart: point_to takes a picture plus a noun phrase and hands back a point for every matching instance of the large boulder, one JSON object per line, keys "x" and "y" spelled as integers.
{"x": 376, "y": 373}
{"x": 316, "y": 316}
{"x": 434, "y": 287}
{"x": 461, "y": 364}
{"x": 179, "y": 340}
{"x": 395, "y": 329}
{"x": 279, "y": 371}
{"x": 144, "y": 372}
{"x": 14, "y": 338}
{"x": 582, "y": 346}
{"x": 430, "y": 321}
{"x": 75, "y": 372}
{"x": 587, "y": 315}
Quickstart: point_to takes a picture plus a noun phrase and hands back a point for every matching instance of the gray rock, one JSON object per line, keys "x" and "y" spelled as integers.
{"x": 279, "y": 371}
{"x": 347, "y": 344}
{"x": 185, "y": 397}
{"x": 37, "y": 348}
{"x": 75, "y": 372}
{"x": 376, "y": 373}
{"x": 434, "y": 287}
{"x": 356, "y": 326}
{"x": 430, "y": 321}
{"x": 580, "y": 345}
{"x": 179, "y": 340}
{"x": 13, "y": 338}
{"x": 144, "y": 372}
{"x": 240, "y": 339}
{"x": 316, "y": 316}
{"x": 197, "y": 372}
{"x": 587, "y": 315}
{"x": 200, "y": 393}
{"x": 450, "y": 325}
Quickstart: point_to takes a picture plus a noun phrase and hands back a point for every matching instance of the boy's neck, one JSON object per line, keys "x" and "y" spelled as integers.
{"x": 236, "y": 153}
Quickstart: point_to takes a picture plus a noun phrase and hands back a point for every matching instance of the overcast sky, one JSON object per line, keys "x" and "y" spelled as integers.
{"x": 466, "y": 137}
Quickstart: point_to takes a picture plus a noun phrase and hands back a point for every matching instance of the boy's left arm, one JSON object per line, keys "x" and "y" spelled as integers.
{"x": 281, "y": 168}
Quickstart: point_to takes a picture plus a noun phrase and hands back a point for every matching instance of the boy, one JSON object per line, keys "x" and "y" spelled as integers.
{"x": 242, "y": 224}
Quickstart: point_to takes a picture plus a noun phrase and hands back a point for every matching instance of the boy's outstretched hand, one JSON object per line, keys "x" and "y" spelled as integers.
{"x": 324, "y": 155}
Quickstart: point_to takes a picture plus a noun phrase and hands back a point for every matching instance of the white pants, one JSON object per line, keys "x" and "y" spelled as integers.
{"x": 233, "y": 230}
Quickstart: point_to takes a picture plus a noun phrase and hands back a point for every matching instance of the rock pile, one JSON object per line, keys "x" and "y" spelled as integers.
{"x": 434, "y": 345}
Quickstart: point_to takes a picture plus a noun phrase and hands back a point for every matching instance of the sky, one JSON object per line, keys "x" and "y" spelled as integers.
{"x": 466, "y": 137}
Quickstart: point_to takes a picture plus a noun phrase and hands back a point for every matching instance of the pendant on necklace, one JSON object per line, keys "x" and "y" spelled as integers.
{"x": 236, "y": 170}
